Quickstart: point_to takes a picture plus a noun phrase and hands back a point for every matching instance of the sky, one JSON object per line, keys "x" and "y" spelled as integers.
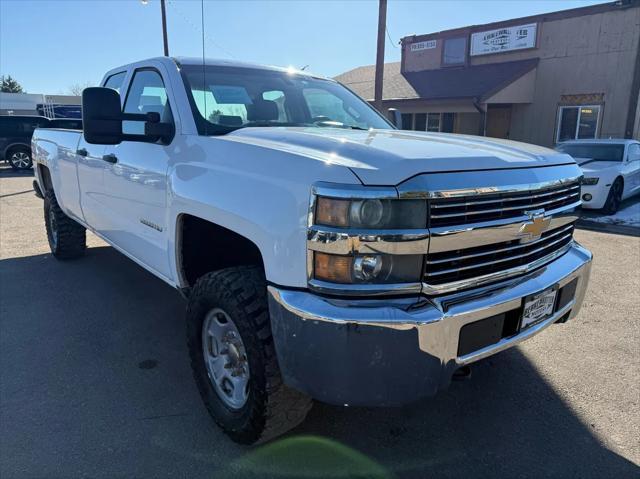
{"x": 50, "y": 45}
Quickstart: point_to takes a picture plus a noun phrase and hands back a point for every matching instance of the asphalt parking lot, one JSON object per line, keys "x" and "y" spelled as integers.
{"x": 95, "y": 382}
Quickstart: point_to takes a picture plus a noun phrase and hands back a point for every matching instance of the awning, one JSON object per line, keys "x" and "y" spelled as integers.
{"x": 478, "y": 82}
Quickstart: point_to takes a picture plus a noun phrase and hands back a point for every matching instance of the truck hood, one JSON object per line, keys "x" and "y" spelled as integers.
{"x": 388, "y": 157}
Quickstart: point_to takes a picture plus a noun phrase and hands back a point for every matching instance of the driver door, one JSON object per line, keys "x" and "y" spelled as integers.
{"x": 135, "y": 182}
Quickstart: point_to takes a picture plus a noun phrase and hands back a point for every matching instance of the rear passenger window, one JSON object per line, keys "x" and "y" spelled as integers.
{"x": 115, "y": 81}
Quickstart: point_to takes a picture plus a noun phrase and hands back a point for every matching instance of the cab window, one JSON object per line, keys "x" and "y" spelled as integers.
{"x": 115, "y": 81}
{"x": 146, "y": 94}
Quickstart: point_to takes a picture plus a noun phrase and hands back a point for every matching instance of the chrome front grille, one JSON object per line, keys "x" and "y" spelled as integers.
{"x": 468, "y": 263}
{"x": 490, "y": 207}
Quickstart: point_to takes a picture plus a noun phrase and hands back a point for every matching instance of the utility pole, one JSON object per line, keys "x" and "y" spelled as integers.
{"x": 164, "y": 28}
{"x": 164, "y": 25}
{"x": 382, "y": 28}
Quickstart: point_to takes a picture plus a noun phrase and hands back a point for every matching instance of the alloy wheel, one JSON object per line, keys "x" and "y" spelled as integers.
{"x": 20, "y": 159}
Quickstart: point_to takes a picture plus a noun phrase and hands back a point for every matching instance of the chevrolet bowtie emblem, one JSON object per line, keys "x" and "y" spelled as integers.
{"x": 533, "y": 229}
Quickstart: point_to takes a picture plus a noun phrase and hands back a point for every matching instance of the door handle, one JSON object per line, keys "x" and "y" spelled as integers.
{"x": 110, "y": 158}
{"x": 82, "y": 152}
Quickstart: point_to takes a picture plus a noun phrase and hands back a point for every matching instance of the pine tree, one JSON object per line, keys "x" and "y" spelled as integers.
{"x": 9, "y": 85}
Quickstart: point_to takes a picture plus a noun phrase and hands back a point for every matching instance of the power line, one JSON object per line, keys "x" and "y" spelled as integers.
{"x": 389, "y": 37}
{"x": 201, "y": 27}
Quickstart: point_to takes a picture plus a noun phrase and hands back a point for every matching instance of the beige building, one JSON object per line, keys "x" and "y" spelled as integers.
{"x": 540, "y": 79}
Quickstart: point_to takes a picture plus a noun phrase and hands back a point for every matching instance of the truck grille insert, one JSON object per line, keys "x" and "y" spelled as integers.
{"x": 476, "y": 209}
{"x": 462, "y": 264}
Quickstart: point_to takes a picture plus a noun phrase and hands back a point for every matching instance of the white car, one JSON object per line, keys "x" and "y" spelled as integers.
{"x": 611, "y": 171}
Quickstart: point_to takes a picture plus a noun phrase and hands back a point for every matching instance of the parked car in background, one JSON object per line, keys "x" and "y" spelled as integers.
{"x": 611, "y": 171}
{"x": 15, "y": 139}
{"x": 16, "y": 132}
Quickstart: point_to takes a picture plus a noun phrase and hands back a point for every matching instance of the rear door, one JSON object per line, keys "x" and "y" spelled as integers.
{"x": 135, "y": 183}
{"x": 91, "y": 168}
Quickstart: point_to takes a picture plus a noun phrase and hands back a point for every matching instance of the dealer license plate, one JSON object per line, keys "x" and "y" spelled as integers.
{"x": 538, "y": 307}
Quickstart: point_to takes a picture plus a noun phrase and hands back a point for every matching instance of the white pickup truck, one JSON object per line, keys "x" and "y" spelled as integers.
{"x": 324, "y": 254}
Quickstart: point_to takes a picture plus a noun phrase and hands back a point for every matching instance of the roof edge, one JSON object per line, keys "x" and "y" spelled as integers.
{"x": 550, "y": 16}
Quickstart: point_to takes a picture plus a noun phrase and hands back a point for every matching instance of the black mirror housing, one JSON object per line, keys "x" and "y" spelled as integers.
{"x": 101, "y": 116}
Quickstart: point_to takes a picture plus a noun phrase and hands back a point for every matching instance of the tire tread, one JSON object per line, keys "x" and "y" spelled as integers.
{"x": 72, "y": 236}
{"x": 278, "y": 408}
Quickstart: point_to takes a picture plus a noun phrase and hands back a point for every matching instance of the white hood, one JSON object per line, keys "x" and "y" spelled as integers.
{"x": 388, "y": 157}
{"x": 593, "y": 167}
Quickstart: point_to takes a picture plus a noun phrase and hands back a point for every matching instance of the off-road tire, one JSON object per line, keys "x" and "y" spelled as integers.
{"x": 614, "y": 198}
{"x": 271, "y": 408}
{"x": 67, "y": 239}
{"x": 19, "y": 150}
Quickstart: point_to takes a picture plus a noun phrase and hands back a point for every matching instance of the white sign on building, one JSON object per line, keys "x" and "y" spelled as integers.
{"x": 428, "y": 45}
{"x": 503, "y": 39}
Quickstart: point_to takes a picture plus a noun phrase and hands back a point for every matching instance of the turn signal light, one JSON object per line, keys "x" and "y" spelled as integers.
{"x": 332, "y": 212}
{"x": 334, "y": 268}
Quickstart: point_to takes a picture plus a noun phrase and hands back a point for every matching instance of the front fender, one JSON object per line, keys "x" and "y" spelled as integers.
{"x": 256, "y": 192}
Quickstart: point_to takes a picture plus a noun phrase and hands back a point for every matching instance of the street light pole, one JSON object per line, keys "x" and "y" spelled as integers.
{"x": 164, "y": 28}
{"x": 382, "y": 28}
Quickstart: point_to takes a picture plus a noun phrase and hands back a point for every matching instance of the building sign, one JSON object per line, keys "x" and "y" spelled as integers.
{"x": 428, "y": 45}
{"x": 503, "y": 39}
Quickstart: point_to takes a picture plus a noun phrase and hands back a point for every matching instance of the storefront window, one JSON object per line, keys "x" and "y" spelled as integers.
{"x": 421, "y": 122}
{"x": 433, "y": 122}
{"x": 454, "y": 51}
{"x": 577, "y": 122}
{"x": 407, "y": 121}
{"x": 448, "y": 120}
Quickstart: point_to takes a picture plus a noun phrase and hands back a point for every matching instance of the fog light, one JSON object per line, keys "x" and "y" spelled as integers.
{"x": 587, "y": 197}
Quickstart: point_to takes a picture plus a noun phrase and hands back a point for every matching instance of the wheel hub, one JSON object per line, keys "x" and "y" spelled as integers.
{"x": 20, "y": 159}
{"x": 225, "y": 358}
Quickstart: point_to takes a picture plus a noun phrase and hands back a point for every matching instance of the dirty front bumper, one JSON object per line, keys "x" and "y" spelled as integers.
{"x": 392, "y": 352}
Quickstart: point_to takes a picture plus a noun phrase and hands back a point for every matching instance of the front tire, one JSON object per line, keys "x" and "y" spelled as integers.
{"x": 614, "y": 198}
{"x": 234, "y": 360}
{"x": 67, "y": 239}
{"x": 20, "y": 158}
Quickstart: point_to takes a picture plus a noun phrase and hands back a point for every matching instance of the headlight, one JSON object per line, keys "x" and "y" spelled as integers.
{"x": 364, "y": 269}
{"x": 360, "y": 237}
{"x": 590, "y": 181}
{"x": 371, "y": 213}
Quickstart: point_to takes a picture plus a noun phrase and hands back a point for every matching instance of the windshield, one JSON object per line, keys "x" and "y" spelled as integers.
{"x": 594, "y": 151}
{"x": 224, "y": 99}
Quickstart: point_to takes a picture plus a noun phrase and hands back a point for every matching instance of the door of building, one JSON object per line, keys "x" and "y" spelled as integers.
{"x": 498, "y": 121}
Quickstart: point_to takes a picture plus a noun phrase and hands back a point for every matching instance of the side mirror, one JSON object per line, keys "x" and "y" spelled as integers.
{"x": 395, "y": 117}
{"x": 101, "y": 116}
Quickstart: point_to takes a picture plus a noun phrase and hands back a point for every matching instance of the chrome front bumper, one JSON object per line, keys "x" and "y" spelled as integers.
{"x": 391, "y": 352}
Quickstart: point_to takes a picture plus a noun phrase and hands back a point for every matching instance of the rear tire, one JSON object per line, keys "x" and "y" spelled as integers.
{"x": 67, "y": 238}
{"x": 269, "y": 408}
{"x": 20, "y": 158}
{"x": 614, "y": 198}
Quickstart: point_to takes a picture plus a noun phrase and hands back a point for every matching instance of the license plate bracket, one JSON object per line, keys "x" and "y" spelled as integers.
{"x": 538, "y": 307}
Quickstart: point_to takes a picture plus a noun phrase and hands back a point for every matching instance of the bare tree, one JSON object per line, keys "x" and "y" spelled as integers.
{"x": 76, "y": 88}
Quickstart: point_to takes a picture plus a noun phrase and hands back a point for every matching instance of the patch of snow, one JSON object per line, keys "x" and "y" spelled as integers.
{"x": 628, "y": 215}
